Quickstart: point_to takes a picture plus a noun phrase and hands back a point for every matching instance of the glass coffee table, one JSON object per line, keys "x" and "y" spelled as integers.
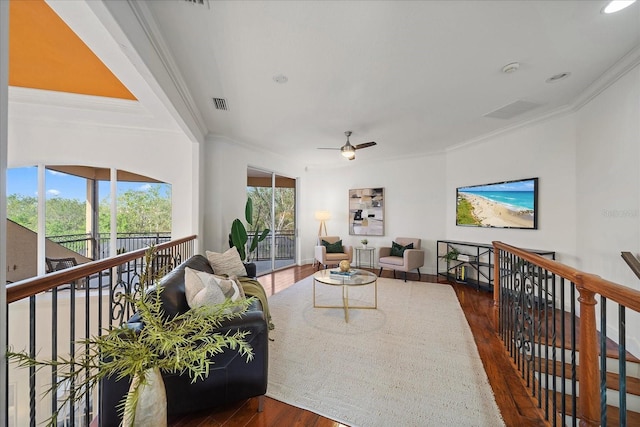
{"x": 360, "y": 278}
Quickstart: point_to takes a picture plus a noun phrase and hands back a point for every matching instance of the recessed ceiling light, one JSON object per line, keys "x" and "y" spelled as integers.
{"x": 558, "y": 77}
{"x": 280, "y": 78}
{"x": 510, "y": 68}
{"x": 617, "y": 5}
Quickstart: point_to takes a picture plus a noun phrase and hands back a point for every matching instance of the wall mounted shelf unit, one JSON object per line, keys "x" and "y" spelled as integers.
{"x": 473, "y": 263}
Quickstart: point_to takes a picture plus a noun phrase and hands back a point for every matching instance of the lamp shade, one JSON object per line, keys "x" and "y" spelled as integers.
{"x": 322, "y": 215}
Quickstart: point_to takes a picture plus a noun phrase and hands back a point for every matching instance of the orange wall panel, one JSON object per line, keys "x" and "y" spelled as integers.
{"x": 44, "y": 53}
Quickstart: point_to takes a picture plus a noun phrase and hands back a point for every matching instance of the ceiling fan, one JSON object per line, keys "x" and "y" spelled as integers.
{"x": 348, "y": 150}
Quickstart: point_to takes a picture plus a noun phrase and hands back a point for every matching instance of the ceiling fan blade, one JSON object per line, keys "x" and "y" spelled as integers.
{"x": 327, "y": 148}
{"x": 365, "y": 145}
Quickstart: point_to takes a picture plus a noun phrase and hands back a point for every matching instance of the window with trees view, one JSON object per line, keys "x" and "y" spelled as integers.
{"x": 77, "y": 214}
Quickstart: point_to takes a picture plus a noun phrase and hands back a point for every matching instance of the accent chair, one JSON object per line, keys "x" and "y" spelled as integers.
{"x": 330, "y": 251}
{"x": 404, "y": 255}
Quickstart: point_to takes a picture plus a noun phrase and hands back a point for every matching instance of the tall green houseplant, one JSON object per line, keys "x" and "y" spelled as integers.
{"x": 239, "y": 236}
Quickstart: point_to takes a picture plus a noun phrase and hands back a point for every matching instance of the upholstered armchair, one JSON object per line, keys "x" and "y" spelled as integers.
{"x": 330, "y": 251}
{"x": 404, "y": 255}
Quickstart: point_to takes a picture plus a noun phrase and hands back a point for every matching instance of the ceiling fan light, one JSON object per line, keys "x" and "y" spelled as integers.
{"x": 348, "y": 151}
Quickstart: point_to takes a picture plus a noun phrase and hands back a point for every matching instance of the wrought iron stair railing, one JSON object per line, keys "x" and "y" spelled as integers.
{"x": 572, "y": 357}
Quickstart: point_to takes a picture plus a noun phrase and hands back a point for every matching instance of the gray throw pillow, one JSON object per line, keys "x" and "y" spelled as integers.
{"x": 228, "y": 262}
{"x": 202, "y": 288}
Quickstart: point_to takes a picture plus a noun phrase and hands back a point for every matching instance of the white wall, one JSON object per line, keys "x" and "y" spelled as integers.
{"x": 608, "y": 177}
{"x": 545, "y": 150}
{"x": 608, "y": 190}
{"x": 224, "y": 167}
{"x": 413, "y": 201}
{"x": 413, "y": 196}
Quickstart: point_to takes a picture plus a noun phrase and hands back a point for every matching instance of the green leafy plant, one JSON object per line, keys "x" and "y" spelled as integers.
{"x": 452, "y": 255}
{"x": 364, "y": 241}
{"x": 184, "y": 343}
{"x": 239, "y": 237}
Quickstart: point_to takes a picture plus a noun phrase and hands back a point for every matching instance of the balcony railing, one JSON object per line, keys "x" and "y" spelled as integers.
{"x": 285, "y": 245}
{"x": 572, "y": 357}
{"x": 48, "y": 314}
{"x": 126, "y": 242}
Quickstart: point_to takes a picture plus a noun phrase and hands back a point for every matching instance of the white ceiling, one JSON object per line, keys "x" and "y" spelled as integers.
{"x": 414, "y": 76}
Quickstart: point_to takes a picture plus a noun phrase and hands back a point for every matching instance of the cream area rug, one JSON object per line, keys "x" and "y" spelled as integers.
{"x": 410, "y": 362}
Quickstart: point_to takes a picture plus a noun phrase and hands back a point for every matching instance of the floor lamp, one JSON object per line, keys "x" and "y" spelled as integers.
{"x": 322, "y": 216}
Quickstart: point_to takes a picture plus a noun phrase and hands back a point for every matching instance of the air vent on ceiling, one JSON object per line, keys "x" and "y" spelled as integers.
{"x": 220, "y": 104}
{"x": 199, "y": 2}
{"x": 516, "y": 108}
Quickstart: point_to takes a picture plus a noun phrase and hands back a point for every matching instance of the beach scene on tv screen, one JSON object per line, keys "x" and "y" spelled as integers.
{"x": 507, "y": 204}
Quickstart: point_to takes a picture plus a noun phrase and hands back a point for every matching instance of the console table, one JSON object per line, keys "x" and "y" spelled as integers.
{"x": 471, "y": 263}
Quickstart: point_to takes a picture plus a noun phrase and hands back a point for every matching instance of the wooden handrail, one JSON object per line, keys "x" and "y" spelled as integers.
{"x": 594, "y": 283}
{"x": 32, "y": 286}
{"x": 632, "y": 262}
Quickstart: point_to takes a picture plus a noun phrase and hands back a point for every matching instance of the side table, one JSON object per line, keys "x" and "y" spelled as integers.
{"x": 368, "y": 253}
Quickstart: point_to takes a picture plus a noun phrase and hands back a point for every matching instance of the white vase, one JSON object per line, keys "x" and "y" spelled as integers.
{"x": 151, "y": 410}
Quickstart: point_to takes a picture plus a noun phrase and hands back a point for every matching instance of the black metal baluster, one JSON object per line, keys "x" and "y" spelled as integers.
{"x": 87, "y": 334}
{"x": 563, "y": 361}
{"x": 32, "y": 354}
{"x": 54, "y": 344}
{"x": 603, "y": 361}
{"x": 573, "y": 357}
{"x": 72, "y": 351}
{"x": 622, "y": 361}
{"x": 554, "y": 346}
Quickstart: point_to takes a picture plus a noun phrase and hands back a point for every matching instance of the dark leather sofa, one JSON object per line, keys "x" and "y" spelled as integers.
{"x": 230, "y": 379}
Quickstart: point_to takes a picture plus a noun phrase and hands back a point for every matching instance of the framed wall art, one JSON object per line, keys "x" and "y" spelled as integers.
{"x": 366, "y": 212}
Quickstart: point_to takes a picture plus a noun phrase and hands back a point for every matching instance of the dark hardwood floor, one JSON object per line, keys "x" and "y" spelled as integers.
{"x": 516, "y": 406}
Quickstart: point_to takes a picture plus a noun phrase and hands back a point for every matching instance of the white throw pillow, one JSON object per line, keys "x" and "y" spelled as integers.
{"x": 202, "y": 288}
{"x": 228, "y": 262}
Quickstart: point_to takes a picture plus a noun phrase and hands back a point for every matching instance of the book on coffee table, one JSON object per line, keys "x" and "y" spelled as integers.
{"x": 343, "y": 274}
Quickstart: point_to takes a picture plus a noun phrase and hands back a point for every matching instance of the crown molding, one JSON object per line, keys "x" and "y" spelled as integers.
{"x": 148, "y": 24}
{"x": 73, "y": 100}
{"x": 612, "y": 75}
{"x": 91, "y": 112}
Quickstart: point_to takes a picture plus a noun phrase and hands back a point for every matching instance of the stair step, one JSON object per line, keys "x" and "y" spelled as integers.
{"x": 613, "y": 413}
{"x": 632, "y": 367}
{"x": 633, "y": 384}
{"x": 611, "y": 346}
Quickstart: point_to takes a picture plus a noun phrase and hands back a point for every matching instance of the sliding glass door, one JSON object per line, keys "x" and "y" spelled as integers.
{"x": 274, "y": 207}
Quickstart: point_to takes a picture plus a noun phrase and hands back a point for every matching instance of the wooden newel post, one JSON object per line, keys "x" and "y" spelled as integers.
{"x": 589, "y": 404}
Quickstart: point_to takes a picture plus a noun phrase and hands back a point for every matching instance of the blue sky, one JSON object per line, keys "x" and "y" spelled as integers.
{"x": 527, "y": 185}
{"x": 24, "y": 181}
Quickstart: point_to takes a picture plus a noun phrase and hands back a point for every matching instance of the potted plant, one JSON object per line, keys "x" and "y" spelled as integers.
{"x": 452, "y": 255}
{"x": 364, "y": 242}
{"x": 142, "y": 355}
{"x": 239, "y": 237}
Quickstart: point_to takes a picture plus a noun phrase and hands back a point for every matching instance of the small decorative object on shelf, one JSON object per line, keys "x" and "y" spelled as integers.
{"x": 344, "y": 265}
{"x": 364, "y": 242}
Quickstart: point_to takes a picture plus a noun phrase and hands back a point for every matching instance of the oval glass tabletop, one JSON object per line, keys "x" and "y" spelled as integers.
{"x": 359, "y": 277}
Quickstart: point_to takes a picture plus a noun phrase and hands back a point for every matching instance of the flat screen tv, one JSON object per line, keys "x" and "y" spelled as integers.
{"x": 508, "y": 204}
